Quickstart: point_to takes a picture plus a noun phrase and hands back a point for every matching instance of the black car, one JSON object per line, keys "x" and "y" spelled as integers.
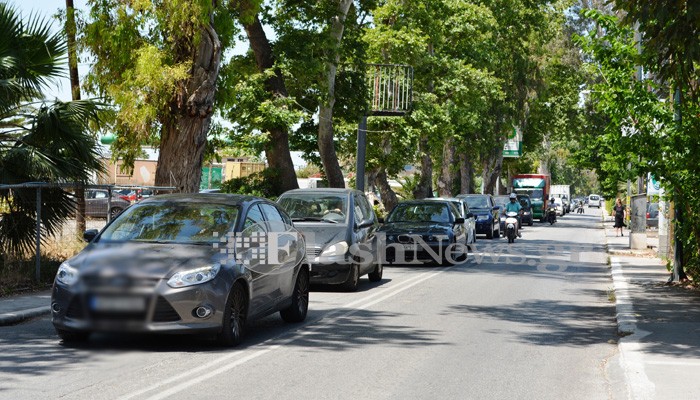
{"x": 486, "y": 212}
{"x": 339, "y": 227}
{"x": 184, "y": 264}
{"x": 422, "y": 230}
{"x": 525, "y": 203}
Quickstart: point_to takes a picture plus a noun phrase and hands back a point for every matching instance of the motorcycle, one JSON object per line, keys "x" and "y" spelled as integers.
{"x": 552, "y": 214}
{"x": 511, "y": 226}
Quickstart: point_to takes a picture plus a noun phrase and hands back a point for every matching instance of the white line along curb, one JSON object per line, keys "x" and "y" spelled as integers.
{"x": 631, "y": 356}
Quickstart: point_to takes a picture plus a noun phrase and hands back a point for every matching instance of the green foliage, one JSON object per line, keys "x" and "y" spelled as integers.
{"x": 38, "y": 141}
{"x": 261, "y": 184}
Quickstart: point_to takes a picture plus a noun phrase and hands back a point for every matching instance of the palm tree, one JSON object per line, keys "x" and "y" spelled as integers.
{"x": 38, "y": 141}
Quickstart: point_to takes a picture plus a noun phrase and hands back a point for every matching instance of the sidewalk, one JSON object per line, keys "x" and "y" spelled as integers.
{"x": 15, "y": 309}
{"x": 659, "y": 324}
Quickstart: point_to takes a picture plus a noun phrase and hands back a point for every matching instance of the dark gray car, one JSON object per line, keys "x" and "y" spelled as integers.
{"x": 339, "y": 226}
{"x": 99, "y": 205}
{"x": 184, "y": 264}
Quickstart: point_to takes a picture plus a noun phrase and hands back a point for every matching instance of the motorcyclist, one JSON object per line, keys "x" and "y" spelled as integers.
{"x": 552, "y": 204}
{"x": 514, "y": 206}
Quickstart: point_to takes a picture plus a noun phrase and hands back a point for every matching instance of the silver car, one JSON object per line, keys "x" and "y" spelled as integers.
{"x": 184, "y": 264}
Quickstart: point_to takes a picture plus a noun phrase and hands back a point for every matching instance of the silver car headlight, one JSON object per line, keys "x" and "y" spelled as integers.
{"x": 66, "y": 274}
{"x": 336, "y": 249}
{"x": 194, "y": 276}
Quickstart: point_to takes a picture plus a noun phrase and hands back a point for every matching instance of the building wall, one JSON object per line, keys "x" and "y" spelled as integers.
{"x": 144, "y": 173}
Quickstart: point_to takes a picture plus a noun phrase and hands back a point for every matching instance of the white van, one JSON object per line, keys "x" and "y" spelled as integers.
{"x": 594, "y": 201}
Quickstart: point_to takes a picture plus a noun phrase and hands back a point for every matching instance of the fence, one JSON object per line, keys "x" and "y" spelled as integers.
{"x": 53, "y": 216}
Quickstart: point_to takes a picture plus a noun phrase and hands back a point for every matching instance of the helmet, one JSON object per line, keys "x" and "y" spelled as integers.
{"x": 513, "y": 196}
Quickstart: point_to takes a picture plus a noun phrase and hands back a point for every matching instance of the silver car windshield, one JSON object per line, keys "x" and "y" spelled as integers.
{"x": 174, "y": 222}
{"x": 316, "y": 207}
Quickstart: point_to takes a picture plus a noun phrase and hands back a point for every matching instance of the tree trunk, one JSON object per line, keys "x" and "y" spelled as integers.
{"x": 493, "y": 165}
{"x": 424, "y": 189}
{"x": 277, "y": 148}
{"x": 75, "y": 95}
{"x": 326, "y": 147}
{"x": 446, "y": 180}
{"x": 184, "y": 136}
{"x": 389, "y": 199}
{"x": 466, "y": 174}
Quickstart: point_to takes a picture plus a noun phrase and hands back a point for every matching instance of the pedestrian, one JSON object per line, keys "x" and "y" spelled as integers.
{"x": 619, "y": 212}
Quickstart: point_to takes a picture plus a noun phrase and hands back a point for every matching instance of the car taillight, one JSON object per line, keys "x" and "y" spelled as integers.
{"x": 648, "y": 215}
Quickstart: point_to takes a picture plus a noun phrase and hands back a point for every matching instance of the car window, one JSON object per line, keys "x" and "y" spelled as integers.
{"x": 333, "y": 207}
{"x": 175, "y": 222}
{"x": 421, "y": 212}
{"x": 254, "y": 220}
{"x": 275, "y": 220}
{"x": 100, "y": 195}
{"x": 478, "y": 202}
{"x": 367, "y": 210}
{"x": 458, "y": 206}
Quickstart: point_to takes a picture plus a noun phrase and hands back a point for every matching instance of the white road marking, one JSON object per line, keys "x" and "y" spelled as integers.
{"x": 210, "y": 370}
{"x": 631, "y": 356}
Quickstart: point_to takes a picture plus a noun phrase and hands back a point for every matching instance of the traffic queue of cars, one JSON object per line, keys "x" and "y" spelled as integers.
{"x": 211, "y": 262}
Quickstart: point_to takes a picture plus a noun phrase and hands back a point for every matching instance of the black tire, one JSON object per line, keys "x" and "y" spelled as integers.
{"x": 115, "y": 211}
{"x": 377, "y": 273}
{"x": 72, "y": 336}
{"x": 353, "y": 281}
{"x": 235, "y": 316}
{"x": 489, "y": 234}
{"x": 296, "y": 312}
{"x": 531, "y": 222}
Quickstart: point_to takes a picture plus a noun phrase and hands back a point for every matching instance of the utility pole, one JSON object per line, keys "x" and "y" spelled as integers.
{"x": 678, "y": 271}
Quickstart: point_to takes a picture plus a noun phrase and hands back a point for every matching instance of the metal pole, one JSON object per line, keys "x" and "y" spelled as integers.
{"x": 361, "y": 154}
{"x": 37, "y": 271}
{"x": 109, "y": 204}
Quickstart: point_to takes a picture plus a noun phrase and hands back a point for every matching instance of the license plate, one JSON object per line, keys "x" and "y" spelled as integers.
{"x": 118, "y": 304}
{"x": 410, "y": 247}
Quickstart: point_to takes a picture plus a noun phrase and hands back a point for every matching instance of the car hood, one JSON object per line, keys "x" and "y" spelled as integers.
{"x": 426, "y": 228}
{"x": 481, "y": 211}
{"x": 322, "y": 234}
{"x": 144, "y": 260}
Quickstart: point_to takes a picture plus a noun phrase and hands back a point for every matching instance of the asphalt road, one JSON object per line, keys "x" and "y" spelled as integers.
{"x": 531, "y": 320}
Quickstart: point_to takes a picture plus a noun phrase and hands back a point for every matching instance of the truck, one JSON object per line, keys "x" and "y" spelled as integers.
{"x": 562, "y": 192}
{"x": 537, "y": 187}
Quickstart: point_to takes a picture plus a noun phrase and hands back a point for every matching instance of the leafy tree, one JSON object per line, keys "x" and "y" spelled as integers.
{"x": 158, "y": 62}
{"x": 38, "y": 141}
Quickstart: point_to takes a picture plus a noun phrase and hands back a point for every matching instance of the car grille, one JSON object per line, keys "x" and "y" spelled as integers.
{"x": 164, "y": 312}
{"x": 92, "y": 281}
{"x": 312, "y": 252}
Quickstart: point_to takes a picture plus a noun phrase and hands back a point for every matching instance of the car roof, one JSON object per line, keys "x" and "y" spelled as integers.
{"x": 324, "y": 191}
{"x": 221, "y": 198}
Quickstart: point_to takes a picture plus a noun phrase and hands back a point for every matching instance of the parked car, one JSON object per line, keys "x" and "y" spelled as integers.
{"x": 594, "y": 201}
{"x": 463, "y": 208}
{"x": 98, "y": 206}
{"x": 527, "y": 209}
{"x": 425, "y": 230}
{"x": 652, "y": 215}
{"x": 486, "y": 212}
{"x": 559, "y": 204}
{"x": 337, "y": 224}
{"x": 159, "y": 267}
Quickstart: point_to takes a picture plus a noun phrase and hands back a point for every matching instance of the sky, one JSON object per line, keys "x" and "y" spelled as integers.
{"x": 47, "y": 8}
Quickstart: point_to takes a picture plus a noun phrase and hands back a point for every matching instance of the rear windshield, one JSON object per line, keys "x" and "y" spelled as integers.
{"x": 595, "y": 198}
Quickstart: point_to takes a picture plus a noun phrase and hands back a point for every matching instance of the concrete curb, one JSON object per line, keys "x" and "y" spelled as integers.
{"x": 14, "y": 318}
